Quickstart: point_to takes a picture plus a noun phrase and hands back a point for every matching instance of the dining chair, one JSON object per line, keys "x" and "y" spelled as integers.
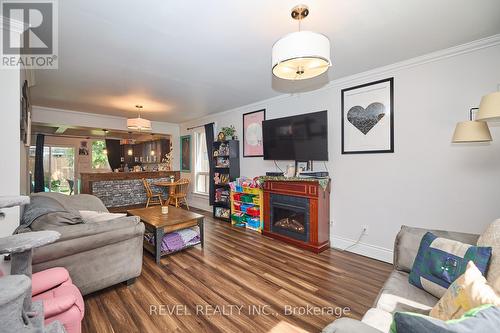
{"x": 153, "y": 197}
{"x": 180, "y": 193}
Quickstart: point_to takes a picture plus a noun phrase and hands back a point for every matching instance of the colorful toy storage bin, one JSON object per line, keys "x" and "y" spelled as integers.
{"x": 246, "y": 203}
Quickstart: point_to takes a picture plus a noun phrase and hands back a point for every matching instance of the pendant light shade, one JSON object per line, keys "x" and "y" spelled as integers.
{"x": 139, "y": 124}
{"x": 489, "y": 109}
{"x": 301, "y": 55}
{"x": 471, "y": 131}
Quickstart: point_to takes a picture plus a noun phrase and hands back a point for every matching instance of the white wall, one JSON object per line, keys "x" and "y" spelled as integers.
{"x": 428, "y": 181}
{"x": 92, "y": 120}
{"x": 10, "y": 95}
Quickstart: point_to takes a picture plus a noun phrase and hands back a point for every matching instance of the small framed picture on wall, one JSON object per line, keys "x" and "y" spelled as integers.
{"x": 186, "y": 153}
{"x": 252, "y": 133}
{"x": 368, "y": 118}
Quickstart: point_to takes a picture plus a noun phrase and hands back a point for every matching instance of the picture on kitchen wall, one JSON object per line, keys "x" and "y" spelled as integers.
{"x": 368, "y": 118}
{"x": 252, "y": 133}
{"x": 83, "y": 150}
{"x": 186, "y": 153}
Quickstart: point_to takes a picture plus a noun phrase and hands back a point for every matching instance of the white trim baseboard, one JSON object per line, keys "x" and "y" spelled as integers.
{"x": 367, "y": 250}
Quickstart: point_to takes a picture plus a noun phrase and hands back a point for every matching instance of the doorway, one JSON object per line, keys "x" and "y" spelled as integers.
{"x": 58, "y": 167}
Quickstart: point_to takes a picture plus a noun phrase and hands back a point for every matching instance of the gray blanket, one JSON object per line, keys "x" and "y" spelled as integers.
{"x": 44, "y": 213}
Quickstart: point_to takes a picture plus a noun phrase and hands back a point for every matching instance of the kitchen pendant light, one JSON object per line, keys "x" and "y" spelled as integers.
{"x": 303, "y": 54}
{"x": 139, "y": 124}
{"x": 105, "y": 150}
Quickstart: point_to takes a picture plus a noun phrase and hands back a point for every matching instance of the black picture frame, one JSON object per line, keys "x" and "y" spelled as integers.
{"x": 391, "y": 117}
{"x": 245, "y": 154}
{"x": 25, "y": 117}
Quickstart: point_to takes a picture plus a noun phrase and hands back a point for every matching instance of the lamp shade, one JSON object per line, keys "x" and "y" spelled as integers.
{"x": 139, "y": 124}
{"x": 301, "y": 55}
{"x": 489, "y": 109}
{"x": 471, "y": 131}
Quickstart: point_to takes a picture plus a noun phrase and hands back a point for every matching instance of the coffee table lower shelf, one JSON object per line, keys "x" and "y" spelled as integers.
{"x": 159, "y": 225}
{"x": 151, "y": 249}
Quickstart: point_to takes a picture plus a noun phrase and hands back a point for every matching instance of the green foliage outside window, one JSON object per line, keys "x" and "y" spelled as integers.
{"x": 99, "y": 158}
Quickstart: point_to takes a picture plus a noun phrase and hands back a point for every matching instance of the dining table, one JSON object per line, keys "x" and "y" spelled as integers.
{"x": 170, "y": 185}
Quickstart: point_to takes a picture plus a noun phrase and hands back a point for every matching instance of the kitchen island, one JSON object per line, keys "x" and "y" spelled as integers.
{"x": 123, "y": 189}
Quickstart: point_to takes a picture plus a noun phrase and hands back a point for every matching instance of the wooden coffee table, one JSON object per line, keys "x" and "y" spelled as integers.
{"x": 160, "y": 224}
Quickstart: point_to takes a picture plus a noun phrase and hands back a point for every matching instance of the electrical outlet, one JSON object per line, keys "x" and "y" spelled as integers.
{"x": 364, "y": 229}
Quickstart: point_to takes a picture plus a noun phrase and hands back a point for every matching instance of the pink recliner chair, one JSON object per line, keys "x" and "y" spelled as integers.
{"x": 62, "y": 300}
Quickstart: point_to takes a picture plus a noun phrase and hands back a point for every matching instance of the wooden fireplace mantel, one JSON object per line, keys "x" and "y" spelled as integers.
{"x": 319, "y": 211}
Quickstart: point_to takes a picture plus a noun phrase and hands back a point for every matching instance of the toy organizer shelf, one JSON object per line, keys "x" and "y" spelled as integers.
{"x": 226, "y": 166}
{"x": 247, "y": 208}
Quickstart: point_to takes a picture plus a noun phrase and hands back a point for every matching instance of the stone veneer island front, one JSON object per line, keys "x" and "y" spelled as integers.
{"x": 123, "y": 189}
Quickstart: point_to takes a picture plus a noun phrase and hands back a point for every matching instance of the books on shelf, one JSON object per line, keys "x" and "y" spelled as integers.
{"x": 226, "y": 164}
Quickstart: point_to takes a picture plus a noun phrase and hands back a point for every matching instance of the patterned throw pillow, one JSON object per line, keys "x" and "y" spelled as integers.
{"x": 491, "y": 237}
{"x": 469, "y": 291}
{"x": 485, "y": 319}
{"x": 441, "y": 261}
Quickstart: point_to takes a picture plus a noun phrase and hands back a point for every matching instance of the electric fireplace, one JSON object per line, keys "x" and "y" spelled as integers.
{"x": 298, "y": 212}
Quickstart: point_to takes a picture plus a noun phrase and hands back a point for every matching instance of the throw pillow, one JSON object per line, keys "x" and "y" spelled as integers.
{"x": 49, "y": 221}
{"x": 491, "y": 237}
{"x": 91, "y": 216}
{"x": 441, "y": 261}
{"x": 467, "y": 292}
{"x": 484, "y": 319}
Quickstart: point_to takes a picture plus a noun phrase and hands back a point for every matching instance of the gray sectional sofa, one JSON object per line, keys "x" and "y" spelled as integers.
{"x": 398, "y": 294}
{"x": 97, "y": 255}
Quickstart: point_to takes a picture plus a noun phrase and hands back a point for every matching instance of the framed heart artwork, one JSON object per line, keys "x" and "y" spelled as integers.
{"x": 368, "y": 118}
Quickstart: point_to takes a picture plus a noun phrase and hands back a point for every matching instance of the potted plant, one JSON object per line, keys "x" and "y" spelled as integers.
{"x": 229, "y": 132}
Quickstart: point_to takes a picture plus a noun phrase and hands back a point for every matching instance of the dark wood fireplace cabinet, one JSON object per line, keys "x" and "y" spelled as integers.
{"x": 298, "y": 212}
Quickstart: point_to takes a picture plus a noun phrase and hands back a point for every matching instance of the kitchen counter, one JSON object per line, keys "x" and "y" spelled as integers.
{"x": 122, "y": 189}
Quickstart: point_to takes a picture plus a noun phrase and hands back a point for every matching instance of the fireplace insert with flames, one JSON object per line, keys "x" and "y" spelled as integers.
{"x": 290, "y": 216}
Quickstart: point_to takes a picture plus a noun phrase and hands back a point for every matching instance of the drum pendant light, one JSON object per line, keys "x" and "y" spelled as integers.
{"x": 139, "y": 124}
{"x": 303, "y": 54}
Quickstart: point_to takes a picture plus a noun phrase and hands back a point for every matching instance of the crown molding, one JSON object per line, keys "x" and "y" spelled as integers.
{"x": 453, "y": 51}
{"x": 450, "y": 52}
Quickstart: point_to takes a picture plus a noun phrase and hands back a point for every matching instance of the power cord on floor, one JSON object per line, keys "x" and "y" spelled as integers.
{"x": 363, "y": 232}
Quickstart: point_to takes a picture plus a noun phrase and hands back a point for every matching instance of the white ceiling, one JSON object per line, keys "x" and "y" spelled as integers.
{"x": 185, "y": 59}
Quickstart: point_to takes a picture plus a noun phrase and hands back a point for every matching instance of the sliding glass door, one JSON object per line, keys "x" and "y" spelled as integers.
{"x": 58, "y": 166}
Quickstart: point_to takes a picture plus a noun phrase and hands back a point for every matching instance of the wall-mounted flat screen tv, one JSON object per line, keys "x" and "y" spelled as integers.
{"x": 300, "y": 138}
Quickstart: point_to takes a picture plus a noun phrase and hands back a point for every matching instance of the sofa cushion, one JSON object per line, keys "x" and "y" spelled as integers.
{"x": 469, "y": 291}
{"x": 348, "y": 325}
{"x": 50, "y": 221}
{"x": 75, "y": 202}
{"x": 378, "y": 319}
{"x": 398, "y": 294}
{"x": 408, "y": 241}
{"x": 441, "y": 261}
{"x": 485, "y": 319}
{"x": 91, "y": 216}
{"x": 491, "y": 237}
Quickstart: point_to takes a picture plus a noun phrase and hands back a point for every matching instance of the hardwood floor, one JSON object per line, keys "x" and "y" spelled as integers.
{"x": 240, "y": 282}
